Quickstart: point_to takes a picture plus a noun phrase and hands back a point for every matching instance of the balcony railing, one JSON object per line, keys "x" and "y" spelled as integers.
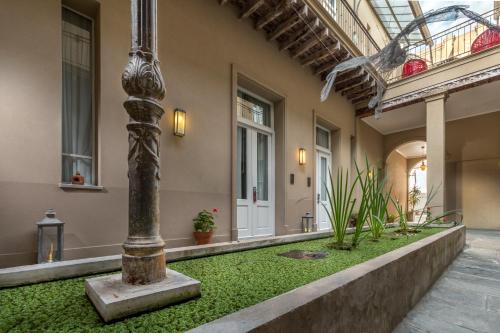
{"x": 347, "y": 19}
{"x": 448, "y": 45}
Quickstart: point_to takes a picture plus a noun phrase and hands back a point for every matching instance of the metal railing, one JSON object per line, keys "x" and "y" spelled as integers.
{"x": 347, "y": 19}
{"x": 448, "y": 45}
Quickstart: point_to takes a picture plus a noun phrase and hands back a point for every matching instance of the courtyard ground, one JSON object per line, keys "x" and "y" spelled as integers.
{"x": 467, "y": 297}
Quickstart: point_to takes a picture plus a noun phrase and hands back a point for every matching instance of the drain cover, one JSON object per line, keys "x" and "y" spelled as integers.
{"x": 301, "y": 254}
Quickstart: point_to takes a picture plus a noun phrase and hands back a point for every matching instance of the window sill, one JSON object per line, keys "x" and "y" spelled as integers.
{"x": 69, "y": 186}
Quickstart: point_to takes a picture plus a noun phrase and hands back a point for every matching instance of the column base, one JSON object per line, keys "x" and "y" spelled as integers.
{"x": 141, "y": 270}
{"x": 114, "y": 299}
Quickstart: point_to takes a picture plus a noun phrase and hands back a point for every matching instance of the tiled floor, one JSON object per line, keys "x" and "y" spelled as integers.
{"x": 467, "y": 297}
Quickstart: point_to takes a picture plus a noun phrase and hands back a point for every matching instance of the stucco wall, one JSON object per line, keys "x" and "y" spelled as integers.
{"x": 200, "y": 44}
{"x": 369, "y": 145}
{"x": 473, "y": 154}
{"x": 472, "y": 166}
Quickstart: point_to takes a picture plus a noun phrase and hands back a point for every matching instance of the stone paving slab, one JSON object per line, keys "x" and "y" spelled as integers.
{"x": 467, "y": 297}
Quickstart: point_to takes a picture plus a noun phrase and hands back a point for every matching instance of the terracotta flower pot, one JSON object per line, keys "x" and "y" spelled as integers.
{"x": 203, "y": 237}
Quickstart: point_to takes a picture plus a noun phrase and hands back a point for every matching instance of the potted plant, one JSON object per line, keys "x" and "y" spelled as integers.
{"x": 204, "y": 226}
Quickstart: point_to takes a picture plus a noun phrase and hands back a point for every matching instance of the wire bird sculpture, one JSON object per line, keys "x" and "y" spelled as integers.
{"x": 394, "y": 55}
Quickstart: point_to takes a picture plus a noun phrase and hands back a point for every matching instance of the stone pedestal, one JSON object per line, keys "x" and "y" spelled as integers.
{"x": 115, "y": 299}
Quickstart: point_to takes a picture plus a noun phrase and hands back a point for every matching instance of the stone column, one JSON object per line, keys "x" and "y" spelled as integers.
{"x": 435, "y": 132}
{"x": 143, "y": 259}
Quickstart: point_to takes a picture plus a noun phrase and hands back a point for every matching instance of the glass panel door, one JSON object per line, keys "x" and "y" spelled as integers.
{"x": 262, "y": 167}
{"x": 254, "y": 177}
{"x": 241, "y": 163}
{"x": 323, "y": 176}
{"x": 322, "y": 184}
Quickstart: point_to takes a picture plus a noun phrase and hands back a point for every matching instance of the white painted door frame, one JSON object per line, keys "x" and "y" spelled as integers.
{"x": 256, "y": 218}
{"x": 322, "y": 170}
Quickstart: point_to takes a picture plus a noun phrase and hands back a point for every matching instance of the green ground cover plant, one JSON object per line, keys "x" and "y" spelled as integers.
{"x": 230, "y": 282}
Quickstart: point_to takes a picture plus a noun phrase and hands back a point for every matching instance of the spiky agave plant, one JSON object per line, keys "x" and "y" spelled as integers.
{"x": 402, "y": 217}
{"x": 377, "y": 213}
{"x": 364, "y": 204}
{"x": 340, "y": 206}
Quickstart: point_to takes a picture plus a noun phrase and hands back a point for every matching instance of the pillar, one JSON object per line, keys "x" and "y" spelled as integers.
{"x": 436, "y": 153}
{"x": 143, "y": 259}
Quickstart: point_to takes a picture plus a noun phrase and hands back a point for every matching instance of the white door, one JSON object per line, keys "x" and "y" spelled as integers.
{"x": 255, "y": 179}
{"x": 322, "y": 183}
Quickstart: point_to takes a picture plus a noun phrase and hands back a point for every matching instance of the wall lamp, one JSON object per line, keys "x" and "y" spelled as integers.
{"x": 302, "y": 156}
{"x": 179, "y": 122}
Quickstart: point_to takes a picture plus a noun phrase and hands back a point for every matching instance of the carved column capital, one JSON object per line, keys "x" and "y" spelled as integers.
{"x": 142, "y": 77}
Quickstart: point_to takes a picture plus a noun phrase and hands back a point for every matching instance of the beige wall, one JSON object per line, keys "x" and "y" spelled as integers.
{"x": 472, "y": 166}
{"x": 396, "y": 179}
{"x": 200, "y": 44}
{"x": 369, "y": 145}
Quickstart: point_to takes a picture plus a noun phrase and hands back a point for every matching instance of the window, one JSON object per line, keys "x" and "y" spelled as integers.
{"x": 322, "y": 137}
{"x": 77, "y": 97}
{"x": 253, "y": 109}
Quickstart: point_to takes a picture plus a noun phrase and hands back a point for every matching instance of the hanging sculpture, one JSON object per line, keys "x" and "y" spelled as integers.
{"x": 394, "y": 55}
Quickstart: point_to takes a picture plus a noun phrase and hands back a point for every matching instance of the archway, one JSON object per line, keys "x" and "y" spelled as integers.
{"x": 417, "y": 189}
{"x": 405, "y": 177}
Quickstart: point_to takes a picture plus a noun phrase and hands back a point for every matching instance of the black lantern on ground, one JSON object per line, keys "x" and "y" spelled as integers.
{"x": 50, "y": 238}
{"x": 307, "y": 222}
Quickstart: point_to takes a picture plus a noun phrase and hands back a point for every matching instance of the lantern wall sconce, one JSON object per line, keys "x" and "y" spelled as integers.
{"x": 302, "y": 156}
{"x": 179, "y": 122}
{"x": 50, "y": 238}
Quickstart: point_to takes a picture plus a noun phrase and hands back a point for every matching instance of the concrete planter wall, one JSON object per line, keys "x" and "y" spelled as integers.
{"x": 370, "y": 297}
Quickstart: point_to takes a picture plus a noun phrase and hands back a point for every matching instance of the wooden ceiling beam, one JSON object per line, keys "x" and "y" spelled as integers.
{"x": 288, "y": 24}
{"x": 366, "y": 88}
{"x": 362, "y": 98}
{"x": 353, "y": 84}
{"x": 302, "y": 33}
{"x": 251, "y": 8}
{"x": 347, "y": 76}
{"x": 364, "y": 112}
{"x": 362, "y": 95}
{"x": 330, "y": 65}
{"x": 321, "y": 54}
{"x": 275, "y": 13}
{"x": 308, "y": 44}
{"x": 349, "y": 83}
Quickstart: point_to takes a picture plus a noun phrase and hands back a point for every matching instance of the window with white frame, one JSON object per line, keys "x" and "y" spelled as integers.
{"x": 322, "y": 137}
{"x": 77, "y": 97}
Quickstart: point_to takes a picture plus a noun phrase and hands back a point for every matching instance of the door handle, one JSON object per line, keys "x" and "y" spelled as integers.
{"x": 317, "y": 198}
{"x": 254, "y": 194}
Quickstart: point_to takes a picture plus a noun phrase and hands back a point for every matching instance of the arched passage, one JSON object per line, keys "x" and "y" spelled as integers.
{"x": 403, "y": 174}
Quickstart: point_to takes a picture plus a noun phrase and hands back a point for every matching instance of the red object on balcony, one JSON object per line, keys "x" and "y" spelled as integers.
{"x": 414, "y": 66}
{"x": 487, "y": 39}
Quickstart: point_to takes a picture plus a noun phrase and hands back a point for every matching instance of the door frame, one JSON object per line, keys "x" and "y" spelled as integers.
{"x": 325, "y": 151}
{"x": 271, "y": 181}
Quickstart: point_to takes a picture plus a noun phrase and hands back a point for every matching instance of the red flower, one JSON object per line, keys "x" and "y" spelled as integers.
{"x": 215, "y": 210}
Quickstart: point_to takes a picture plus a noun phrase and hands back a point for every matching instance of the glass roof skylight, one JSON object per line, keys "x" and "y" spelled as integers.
{"x": 395, "y": 15}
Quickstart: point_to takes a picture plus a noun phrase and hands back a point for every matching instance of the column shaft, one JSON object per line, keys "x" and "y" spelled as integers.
{"x": 435, "y": 132}
{"x": 143, "y": 260}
